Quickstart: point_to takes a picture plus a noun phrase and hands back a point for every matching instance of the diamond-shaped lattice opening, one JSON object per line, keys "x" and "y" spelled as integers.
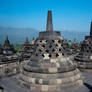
{"x": 61, "y": 44}
{"x": 47, "y": 51}
{"x": 89, "y": 48}
{"x": 56, "y": 45}
{"x": 40, "y": 50}
{"x": 37, "y": 44}
{"x": 53, "y": 41}
{"x": 59, "y": 41}
{"x": 43, "y": 46}
{"x": 89, "y": 42}
{"x": 50, "y": 55}
{"x": 46, "y": 40}
{"x": 63, "y": 54}
{"x": 43, "y": 55}
{"x": 53, "y": 50}
{"x": 50, "y": 46}
{"x": 40, "y": 40}
{"x": 60, "y": 49}
{"x": 87, "y": 45}
{"x": 57, "y": 54}
{"x": 36, "y": 54}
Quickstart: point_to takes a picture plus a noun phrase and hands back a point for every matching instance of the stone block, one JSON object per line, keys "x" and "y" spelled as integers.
{"x": 44, "y": 87}
{"x": 53, "y": 70}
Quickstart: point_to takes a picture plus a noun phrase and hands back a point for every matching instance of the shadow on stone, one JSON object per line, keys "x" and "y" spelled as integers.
{"x": 1, "y": 89}
{"x": 88, "y": 86}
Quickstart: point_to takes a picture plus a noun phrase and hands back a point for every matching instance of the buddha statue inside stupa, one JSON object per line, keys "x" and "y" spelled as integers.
{"x": 75, "y": 47}
{"x": 49, "y": 69}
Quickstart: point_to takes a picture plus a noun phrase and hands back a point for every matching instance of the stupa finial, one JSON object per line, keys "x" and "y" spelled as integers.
{"x": 33, "y": 38}
{"x": 6, "y": 37}
{"x": 27, "y": 42}
{"x": 27, "y": 39}
{"x": 49, "y": 26}
{"x": 91, "y": 29}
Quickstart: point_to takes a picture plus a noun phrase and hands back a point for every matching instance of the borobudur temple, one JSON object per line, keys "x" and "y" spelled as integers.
{"x": 48, "y": 68}
{"x": 84, "y": 58}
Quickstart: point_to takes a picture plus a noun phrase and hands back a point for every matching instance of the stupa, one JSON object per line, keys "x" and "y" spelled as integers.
{"x": 67, "y": 50}
{"x": 1, "y": 53}
{"x": 27, "y": 49}
{"x": 48, "y": 68}
{"x": 9, "y": 64}
{"x": 8, "y": 49}
{"x": 1, "y": 49}
{"x": 75, "y": 47}
{"x": 84, "y": 58}
{"x": 26, "y": 52}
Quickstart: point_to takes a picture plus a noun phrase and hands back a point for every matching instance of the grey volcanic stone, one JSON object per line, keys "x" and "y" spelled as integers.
{"x": 26, "y": 50}
{"x": 10, "y": 85}
{"x": 9, "y": 60}
{"x": 84, "y": 58}
{"x": 49, "y": 69}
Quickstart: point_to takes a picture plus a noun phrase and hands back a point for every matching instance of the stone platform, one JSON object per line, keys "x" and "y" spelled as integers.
{"x": 10, "y": 85}
{"x": 9, "y": 69}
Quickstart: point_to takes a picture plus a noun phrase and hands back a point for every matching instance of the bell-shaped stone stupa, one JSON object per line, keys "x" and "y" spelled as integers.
{"x": 84, "y": 58}
{"x": 48, "y": 69}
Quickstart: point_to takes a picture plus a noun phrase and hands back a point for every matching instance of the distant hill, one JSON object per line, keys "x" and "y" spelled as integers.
{"x": 71, "y": 35}
{"x": 18, "y": 35}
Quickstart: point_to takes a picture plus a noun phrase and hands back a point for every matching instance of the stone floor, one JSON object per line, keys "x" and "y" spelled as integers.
{"x": 10, "y": 85}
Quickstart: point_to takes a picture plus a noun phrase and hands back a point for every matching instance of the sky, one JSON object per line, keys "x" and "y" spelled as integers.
{"x": 72, "y": 15}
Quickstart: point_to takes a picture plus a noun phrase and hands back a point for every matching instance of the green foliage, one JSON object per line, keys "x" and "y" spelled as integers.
{"x": 17, "y": 47}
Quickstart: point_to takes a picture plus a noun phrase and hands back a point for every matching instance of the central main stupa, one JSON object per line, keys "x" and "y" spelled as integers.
{"x": 49, "y": 69}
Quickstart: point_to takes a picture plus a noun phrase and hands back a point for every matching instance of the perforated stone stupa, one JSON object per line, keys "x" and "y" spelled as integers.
{"x": 48, "y": 68}
{"x": 8, "y": 49}
{"x": 84, "y": 58}
{"x": 27, "y": 49}
{"x": 9, "y": 64}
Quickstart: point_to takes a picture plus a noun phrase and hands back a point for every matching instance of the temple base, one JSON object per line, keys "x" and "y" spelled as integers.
{"x": 9, "y": 69}
{"x": 50, "y": 82}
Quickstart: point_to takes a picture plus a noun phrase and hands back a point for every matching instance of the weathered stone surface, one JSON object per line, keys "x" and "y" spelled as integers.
{"x": 27, "y": 50}
{"x": 49, "y": 69}
{"x": 84, "y": 58}
{"x": 9, "y": 69}
{"x": 9, "y": 60}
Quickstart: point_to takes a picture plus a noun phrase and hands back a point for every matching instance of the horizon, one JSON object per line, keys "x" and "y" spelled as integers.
{"x": 67, "y": 14}
{"x": 62, "y": 30}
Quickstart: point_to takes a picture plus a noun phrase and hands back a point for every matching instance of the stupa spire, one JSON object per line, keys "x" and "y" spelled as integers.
{"x": 49, "y": 26}
{"x": 6, "y": 37}
{"x": 27, "y": 42}
{"x": 33, "y": 38}
{"x": 26, "y": 39}
{"x": 7, "y": 43}
{"x": 91, "y": 29}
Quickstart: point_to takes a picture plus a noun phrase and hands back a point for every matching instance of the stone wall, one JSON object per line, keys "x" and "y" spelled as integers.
{"x": 9, "y": 69}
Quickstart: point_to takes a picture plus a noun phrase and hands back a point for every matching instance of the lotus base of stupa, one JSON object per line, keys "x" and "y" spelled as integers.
{"x": 50, "y": 82}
